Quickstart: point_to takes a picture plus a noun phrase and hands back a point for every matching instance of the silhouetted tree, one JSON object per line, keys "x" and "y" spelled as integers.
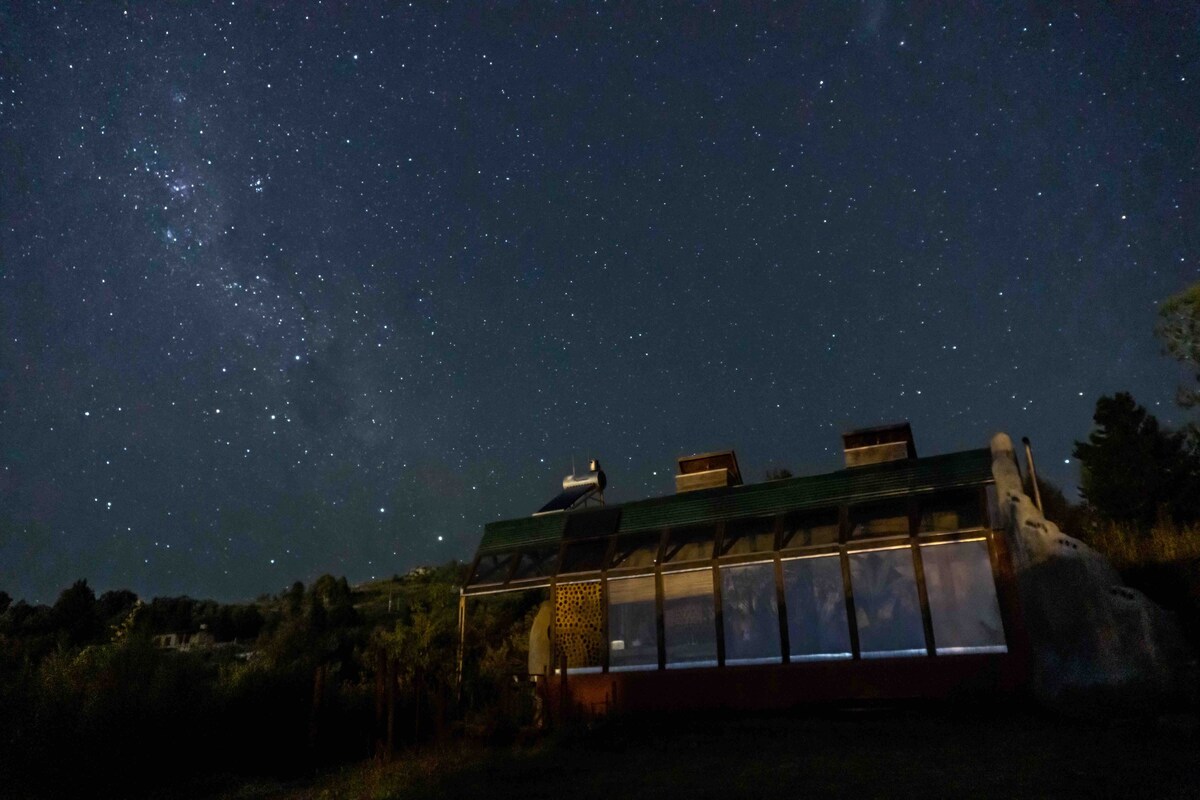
{"x": 171, "y": 615}
{"x": 247, "y": 622}
{"x": 217, "y": 619}
{"x": 294, "y": 598}
{"x": 25, "y": 620}
{"x": 1179, "y": 329}
{"x": 115, "y": 605}
{"x": 76, "y": 615}
{"x": 422, "y": 647}
{"x": 325, "y": 587}
{"x": 5, "y": 601}
{"x": 1132, "y": 470}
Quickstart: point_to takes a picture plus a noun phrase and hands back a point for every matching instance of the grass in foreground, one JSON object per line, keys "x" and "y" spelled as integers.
{"x": 1164, "y": 543}
{"x": 837, "y": 755}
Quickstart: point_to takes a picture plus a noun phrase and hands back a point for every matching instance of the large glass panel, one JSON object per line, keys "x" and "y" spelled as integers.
{"x": 818, "y": 628}
{"x": 689, "y": 620}
{"x": 879, "y": 519}
{"x": 962, "y": 598}
{"x": 578, "y": 625}
{"x": 690, "y": 544}
{"x": 492, "y": 569}
{"x": 632, "y": 626}
{"x": 753, "y": 535}
{"x": 951, "y": 511}
{"x": 536, "y": 563}
{"x": 587, "y": 556}
{"x": 886, "y": 606}
{"x": 750, "y": 613}
{"x": 636, "y": 550}
{"x": 808, "y": 528}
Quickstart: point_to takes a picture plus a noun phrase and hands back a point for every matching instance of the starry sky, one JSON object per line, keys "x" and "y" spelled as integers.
{"x": 292, "y": 288}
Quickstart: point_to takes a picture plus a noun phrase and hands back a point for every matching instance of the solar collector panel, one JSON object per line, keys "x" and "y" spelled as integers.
{"x": 567, "y": 498}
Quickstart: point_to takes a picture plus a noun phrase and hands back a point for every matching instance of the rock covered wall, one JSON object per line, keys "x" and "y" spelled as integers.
{"x": 1087, "y": 631}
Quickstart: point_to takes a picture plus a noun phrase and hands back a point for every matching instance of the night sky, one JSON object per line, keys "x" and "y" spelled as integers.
{"x": 289, "y": 289}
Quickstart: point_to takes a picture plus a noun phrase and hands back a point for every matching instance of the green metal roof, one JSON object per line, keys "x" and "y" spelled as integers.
{"x": 861, "y": 484}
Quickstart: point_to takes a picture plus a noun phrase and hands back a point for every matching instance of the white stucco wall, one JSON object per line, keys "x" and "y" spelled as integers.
{"x": 1086, "y": 629}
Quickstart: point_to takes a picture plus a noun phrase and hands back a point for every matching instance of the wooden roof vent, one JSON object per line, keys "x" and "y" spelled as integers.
{"x": 877, "y": 445}
{"x": 708, "y": 471}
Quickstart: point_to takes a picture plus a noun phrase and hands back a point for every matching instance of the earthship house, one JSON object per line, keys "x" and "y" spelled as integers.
{"x": 896, "y": 577}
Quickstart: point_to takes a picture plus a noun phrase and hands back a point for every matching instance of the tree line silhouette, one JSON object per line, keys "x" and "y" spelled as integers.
{"x": 93, "y": 701}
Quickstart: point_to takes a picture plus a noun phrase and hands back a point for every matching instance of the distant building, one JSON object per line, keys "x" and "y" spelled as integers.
{"x": 199, "y": 640}
{"x": 895, "y": 577}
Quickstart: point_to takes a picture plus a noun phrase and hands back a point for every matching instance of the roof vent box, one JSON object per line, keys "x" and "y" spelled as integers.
{"x": 708, "y": 471}
{"x": 878, "y": 445}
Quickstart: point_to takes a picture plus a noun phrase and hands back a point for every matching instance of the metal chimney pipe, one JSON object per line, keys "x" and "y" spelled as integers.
{"x": 1037, "y": 495}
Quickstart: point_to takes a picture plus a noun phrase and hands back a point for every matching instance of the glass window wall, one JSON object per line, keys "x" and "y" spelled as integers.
{"x": 690, "y": 544}
{"x": 886, "y": 606}
{"x": 746, "y": 536}
{"x": 818, "y": 627}
{"x": 962, "y": 598}
{"x": 750, "y": 614}
{"x": 636, "y": 550}
{"x": 809, "y": 528}
{"x": 586, "y": 556}
{"x": 689, "y": 621}
{"x": 632, "y": 624}
{"x": 963, "y": 605}
{"x": 536, "y": 563}
{"x": 492, "y": 569}
{"x": 951, "y": 511}
{"x": 878, "y": 520}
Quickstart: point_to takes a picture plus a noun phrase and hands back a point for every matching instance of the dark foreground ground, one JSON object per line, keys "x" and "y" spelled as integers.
{"x": 844, "y": 754}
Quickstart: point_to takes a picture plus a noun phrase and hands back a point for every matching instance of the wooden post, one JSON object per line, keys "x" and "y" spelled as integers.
{"x": 659, "y": 602}
{"x": 462, "y": 638}
{"x": 914, "y": 524}
{"x": 717, "y": 594}
{"x": 785, "y": 645}
{"x": 847, "y": 584}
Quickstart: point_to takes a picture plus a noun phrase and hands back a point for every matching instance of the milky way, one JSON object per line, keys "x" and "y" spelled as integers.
{"x": 292, "y": 290}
